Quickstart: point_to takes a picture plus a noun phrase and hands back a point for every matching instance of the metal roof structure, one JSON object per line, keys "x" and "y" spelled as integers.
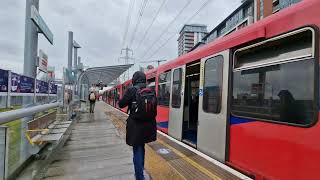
{"x": 105, "y": 74}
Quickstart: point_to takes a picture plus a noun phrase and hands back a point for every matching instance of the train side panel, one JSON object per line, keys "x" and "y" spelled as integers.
{"x": 163, "y": 119}
{"x": 274, "y": 151}
{"x": 271, "y": 150}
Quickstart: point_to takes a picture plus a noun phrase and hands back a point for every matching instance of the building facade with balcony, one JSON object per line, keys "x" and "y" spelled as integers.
{"x": 239, "y": 18}
{"x": 266, "y": 8}
{"x": 247, "y": 13}
{"x": 190, "y": 35}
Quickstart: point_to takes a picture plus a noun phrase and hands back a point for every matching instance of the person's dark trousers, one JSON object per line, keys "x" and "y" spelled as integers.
{"x": 92, "y": 107}
{"x": 138, "y": 161}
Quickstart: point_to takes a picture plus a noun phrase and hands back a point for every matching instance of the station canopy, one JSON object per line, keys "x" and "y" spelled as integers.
{"x": 104, "y": 75}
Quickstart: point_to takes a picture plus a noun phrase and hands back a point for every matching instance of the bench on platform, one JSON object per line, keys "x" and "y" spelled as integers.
{"x": 46, "y": 129}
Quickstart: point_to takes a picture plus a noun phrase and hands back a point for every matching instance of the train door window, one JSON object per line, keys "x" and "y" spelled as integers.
{"x": 117, "y": 93}
{"x": 164, "y": 88}
{"x": 191, "y": 104}
{"x": 176, "y": 88}
{"x": 212, "y": 90}
{"x": 151, "y": 83}
{"x": 283, "y": 91}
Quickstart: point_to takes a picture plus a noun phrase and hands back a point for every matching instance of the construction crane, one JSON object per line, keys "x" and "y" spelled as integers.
{"x": 159, "y": 61}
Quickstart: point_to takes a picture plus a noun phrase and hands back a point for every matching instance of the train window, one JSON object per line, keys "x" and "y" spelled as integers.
{"x": 165, "y": 77}
{"x": 176, "y": 88}
{"x": 277, "y": 50}
{"x": 212, "y": 89}
{"x": 151, "y": 83}
{"x": 282, "y": 92}
{"x": 164, "y": 88}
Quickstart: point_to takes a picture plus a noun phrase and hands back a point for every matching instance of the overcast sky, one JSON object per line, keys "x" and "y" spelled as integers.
{"x": 99, "y": 27}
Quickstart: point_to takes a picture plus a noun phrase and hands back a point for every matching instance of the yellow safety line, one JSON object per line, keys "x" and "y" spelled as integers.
{"x": 155, "y": 156}
{"x": 118, "y": 121}
{"x": 190, "y": 161}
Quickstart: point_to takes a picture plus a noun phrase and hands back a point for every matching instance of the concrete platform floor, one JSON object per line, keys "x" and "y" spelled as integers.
{"x": 94, "y": 150}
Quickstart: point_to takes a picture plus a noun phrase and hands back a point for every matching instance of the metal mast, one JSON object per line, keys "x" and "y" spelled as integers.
{"x": 126, "y": 58}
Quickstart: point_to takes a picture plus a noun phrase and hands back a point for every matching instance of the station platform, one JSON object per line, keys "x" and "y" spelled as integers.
{"x": 96, "y": 149}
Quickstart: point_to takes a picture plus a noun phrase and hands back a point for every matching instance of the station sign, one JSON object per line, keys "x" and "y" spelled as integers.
{"x": 40, "y": 23}
{"x": 43, "y": 61}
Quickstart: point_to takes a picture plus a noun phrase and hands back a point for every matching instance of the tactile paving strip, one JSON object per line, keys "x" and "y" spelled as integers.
{"x": 184, "y": 162}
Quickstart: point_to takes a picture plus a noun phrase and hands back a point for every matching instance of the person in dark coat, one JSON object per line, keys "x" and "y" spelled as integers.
{"x": 139, "y": 132}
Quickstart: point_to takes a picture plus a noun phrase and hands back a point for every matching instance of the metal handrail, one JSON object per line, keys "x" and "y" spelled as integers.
{"x": 8, "y": 116}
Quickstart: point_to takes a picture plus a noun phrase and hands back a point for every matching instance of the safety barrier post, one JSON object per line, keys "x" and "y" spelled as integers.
{"x": 3, "y": 151}
{"x": 9, "y": 90}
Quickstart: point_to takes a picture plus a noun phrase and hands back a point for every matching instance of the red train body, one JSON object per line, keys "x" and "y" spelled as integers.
{"x": 259, "y": 138}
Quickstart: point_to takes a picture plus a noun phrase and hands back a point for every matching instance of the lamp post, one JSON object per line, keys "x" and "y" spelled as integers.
{"x": 31, "y": 41}
{"x": 70, "y": 49}
{"x": 34, "y": 24}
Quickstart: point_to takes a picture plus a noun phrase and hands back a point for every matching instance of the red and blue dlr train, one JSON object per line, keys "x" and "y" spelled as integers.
{"x": 249, "y": 99}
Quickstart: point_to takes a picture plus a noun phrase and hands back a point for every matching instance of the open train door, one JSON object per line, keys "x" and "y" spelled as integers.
{"x": 213, "y": 97}
{"x": 176, "y": 102}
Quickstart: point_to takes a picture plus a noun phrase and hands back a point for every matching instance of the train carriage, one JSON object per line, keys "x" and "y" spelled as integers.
{"x": 125, "y": 87}
{"x": 250, "y": 99}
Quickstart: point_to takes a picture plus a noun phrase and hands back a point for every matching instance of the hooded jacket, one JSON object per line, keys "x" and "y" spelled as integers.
{"x": 138, "y": 132}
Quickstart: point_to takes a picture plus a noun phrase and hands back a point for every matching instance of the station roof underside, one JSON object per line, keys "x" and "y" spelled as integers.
{"x": 105, "y": 74}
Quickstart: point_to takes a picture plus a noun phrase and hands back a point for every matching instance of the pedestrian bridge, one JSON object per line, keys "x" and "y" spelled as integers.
{"x": 93, "y": 147}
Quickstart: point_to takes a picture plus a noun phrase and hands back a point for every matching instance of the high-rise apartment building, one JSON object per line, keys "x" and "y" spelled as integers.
{"x": 190, "y": 35}
{"x": 267, "y": 7}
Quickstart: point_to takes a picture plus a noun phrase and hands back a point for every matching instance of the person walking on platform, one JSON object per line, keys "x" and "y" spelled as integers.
{"x": 141, "y": 123}
{"x": 92, "y": 99}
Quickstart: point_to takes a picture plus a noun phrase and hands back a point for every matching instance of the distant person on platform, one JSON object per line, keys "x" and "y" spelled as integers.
{"x": 92, "y": 99}
{"x": 141, "y": 123}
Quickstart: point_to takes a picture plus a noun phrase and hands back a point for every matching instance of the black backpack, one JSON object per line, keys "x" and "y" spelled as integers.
{"x": 144, "y": 108}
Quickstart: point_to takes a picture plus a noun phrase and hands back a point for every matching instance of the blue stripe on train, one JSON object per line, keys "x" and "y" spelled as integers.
{"x": 233, "y": 121}
{"x": 163, "y": 124}
{"x": 237, "y": 120}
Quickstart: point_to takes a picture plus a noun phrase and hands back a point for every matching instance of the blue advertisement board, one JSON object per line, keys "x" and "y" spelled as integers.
{"x": 53, "y": 89}
{"x": 21, "y": 84}
{"x": 3, "y": 80}
{"x": 42, "y": 87}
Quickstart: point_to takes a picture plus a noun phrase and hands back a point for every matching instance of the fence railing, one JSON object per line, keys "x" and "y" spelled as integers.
{"x": 8, "y": 116}
{"x": 14, "y": 147}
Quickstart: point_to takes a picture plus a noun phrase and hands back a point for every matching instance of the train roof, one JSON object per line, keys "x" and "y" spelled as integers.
{"x": 127, "y": 82}
{"x": 151, "y": 73}
{"x": 298, "y": 15}
{"x": 118, "y": 85}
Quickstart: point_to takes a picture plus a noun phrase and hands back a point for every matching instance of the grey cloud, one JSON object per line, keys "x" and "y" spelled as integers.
{"x": 99, "y": 27}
